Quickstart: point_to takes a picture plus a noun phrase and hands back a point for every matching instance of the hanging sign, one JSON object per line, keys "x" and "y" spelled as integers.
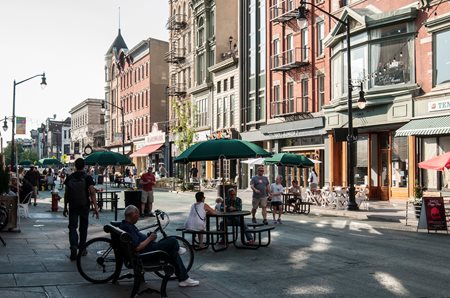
{"x": 21, "y": 123}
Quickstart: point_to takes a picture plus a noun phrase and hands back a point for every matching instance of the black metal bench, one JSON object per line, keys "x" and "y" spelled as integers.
{"x": 125, "y": 254}
{"x": 258, "y": 230}
{"x": 209, "y": 238}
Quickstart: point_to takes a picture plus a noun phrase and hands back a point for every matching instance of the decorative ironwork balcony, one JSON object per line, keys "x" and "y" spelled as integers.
{"x": 175, "y": 55}
{"x": 289, "y": 106}
{"x": 177, "y": 22}
{"x": 177, "y": 89}
{"x": 283, "y": 11}
{"x": 289, "y": 59}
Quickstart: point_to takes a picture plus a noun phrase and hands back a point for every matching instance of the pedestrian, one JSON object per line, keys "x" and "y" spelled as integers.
{"x": 147, "y": 181}
{"x": 313, "y": 180}
{"x": 62, "y": 178}
{"x": 193, "y": 173}
{"x": 261, "y": 187}
{"x": 196, "y": 220}
{"x": 276, "y": 190}
{"x": 95, "y": 173}
{"x": 162, "y": 170}
{"x": 33, "y": 177}
{"x": 219, "y": 206}
{"x": 78, "y": 197}
{"x": 143, "y": 244}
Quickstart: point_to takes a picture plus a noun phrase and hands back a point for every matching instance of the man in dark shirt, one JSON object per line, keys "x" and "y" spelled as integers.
{"x": 33, "y": 177}
{"x": 79, "y": 201}
{"x": 143, "y": 243}
{"x": 234, "y": 203}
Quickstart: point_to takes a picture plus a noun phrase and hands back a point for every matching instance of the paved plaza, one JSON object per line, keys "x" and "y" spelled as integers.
{"x": 328, "y": 253}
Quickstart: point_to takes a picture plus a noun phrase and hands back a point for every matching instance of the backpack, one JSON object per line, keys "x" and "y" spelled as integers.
{"x": 78, "y": 194}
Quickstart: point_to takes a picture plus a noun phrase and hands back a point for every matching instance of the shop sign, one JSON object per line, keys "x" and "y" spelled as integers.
{"x": 156, "y": 136}
{"x": 439, "y": 105}
{"x": 433, "y": 213}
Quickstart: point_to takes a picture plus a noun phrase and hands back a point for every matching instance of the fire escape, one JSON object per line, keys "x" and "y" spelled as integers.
{"x": 176, "y": 55}
{"x": 293, "y": 61}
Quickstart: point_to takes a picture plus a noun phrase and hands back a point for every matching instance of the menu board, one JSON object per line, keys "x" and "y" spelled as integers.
{"x": 433, "y": 212}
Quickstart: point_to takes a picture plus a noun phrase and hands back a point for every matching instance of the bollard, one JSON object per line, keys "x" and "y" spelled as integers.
{"x": 55, "y": 200}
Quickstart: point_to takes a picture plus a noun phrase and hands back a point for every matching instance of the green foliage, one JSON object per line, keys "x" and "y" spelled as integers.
{"x": 418, "y": 190}
{"x": 29, "y": 155}
{"x": 184, "y": 130}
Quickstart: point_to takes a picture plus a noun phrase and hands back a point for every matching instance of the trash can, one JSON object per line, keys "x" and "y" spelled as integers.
{"x": 220, "y": 189}
{"x": 100, "y": 179}
{"x": 133, "y": 197}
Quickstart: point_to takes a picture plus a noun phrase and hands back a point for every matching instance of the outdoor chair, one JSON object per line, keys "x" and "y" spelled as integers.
{"x": 22, "y": 208}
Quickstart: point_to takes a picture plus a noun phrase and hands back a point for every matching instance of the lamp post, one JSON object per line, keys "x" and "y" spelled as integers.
{"x": 302, "y": 21}
{"x": 123, "y": 123}
{"x": 43, "y": 84}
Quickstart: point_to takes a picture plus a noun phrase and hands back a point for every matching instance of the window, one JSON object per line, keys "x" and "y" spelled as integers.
{"x": 231, "y": 83}
{"x": 304, "y": 37}
{"x": 218, "y": 86}
{"x": 361, "y": 160}
{"x": 290, "y": 48}
{"x": 200, "y": 32}
{"x": 320, "y": 37}
{"x": 400, "y": 162}
{"x": 200, "y": 68}
{"x": 219, "y": 113}
{"x": 290, "y": 97}
{"x": 305, "y": 95}
{"x": 442, "y": 57}
{"x": 225, "y": 111}
{"x": 321, "y": 93}
{"x": 276, "y": 100}
{"x": 225, "y": 85}
{"x": 276, "y": 53}
{"x": 232, "y": 102}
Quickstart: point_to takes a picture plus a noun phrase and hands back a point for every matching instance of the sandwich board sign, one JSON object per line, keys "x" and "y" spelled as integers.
{"x": 432, "y": 214}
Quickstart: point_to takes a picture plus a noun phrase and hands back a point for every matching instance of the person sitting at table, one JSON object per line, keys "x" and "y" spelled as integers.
{"x": 129, "y": 181}
{"x": 219, "y": 202}
{"x": 294, "y": 189}
{"x": 196, "y": 220}
{"x": 147, "y": 243}
{"x": 234, "y": 203}
{"x": 276, "y": 190}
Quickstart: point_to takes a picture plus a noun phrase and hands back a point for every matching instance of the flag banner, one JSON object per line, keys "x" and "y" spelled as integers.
{"x": 117, "y": 136}
{"x": 21, "y": 123}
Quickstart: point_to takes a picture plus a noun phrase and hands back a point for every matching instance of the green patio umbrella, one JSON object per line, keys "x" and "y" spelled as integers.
{"x": 25, "y": 162}
{"x": 49, "y": 162}
{"x": 221, "y": 148}
{"x": 107, "y": 158}
{"x": 289, "y": 159}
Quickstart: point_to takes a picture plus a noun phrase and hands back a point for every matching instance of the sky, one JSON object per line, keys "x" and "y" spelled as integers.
{"x": 68, "y": 40}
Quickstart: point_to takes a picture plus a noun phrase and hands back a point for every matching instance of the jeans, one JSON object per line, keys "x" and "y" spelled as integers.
{"x": 170, "y": 246}
{"x": 74, "y": 214}
{"x": 236, "y": 221}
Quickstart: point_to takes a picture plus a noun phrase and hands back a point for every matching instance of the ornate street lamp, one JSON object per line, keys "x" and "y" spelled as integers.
{"x": 123, "y": 123}
{"x": 43, "y": 85}
{"x": 302, "y": 22}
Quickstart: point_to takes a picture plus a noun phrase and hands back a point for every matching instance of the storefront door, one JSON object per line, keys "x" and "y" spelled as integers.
{"x": 384, "y": 166}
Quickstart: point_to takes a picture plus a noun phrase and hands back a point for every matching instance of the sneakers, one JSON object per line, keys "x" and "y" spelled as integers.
{"x": 189, "y": 283}
{"x": 73, "y": 253}
{"x": 253, "y": 220}
{"x": 265, "y": 222}
{"x": 151, "y": 214}
{"x": 251, "y": 242}
{"x": 275, "y": 222}
{"x": 279, "y": 221}
{"x": 83, "y": 252}
{"x": 181, "y": 251}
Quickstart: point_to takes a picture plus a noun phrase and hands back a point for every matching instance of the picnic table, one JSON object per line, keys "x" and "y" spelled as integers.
{"x": 105, "y": 196}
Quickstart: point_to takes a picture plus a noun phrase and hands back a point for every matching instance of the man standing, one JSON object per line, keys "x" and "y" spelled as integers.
{"x": 194, "y": 172}
{"x": 261, "y": 188}
{"x": 79, "y": 195}
{"x": 147, "y": 181}
{"x": 33, "y": 177}
{"x": 143, "y": 243}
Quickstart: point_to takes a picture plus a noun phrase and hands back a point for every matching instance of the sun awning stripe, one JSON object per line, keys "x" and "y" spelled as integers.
{"x": 425, "y": 127}
{"x": 146, "y": 150}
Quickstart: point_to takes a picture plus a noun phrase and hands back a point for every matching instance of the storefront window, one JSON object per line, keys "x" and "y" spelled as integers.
{"x": 400, "y": 162}
{"x": 429, "y": 150}
{"x": 361, "y": 162}
{"x": 444, "y": 145}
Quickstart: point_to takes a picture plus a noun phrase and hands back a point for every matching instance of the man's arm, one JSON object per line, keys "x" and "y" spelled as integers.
{"x": 146, "y": 242}
{"x": 93, "y": 198}
{"x": 66, "y": 202}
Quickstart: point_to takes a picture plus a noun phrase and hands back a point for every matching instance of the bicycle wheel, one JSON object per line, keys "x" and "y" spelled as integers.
{"x": 99, "y": 263}
{"x": 187, "y": 257}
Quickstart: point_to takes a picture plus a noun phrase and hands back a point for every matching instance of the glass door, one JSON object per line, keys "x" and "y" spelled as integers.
{"x": 385, "y": 171}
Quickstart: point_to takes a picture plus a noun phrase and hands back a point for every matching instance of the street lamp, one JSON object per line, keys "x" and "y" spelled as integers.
{"x": 123, "y": 123}
{"x": 43, "y": 85}
{"x": 302, "y": 22}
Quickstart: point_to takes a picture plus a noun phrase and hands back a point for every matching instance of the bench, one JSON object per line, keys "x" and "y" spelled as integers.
{"x": 258, "y": 231}
{"x": 209, "y": 238}
{"x": 125, "y": 254}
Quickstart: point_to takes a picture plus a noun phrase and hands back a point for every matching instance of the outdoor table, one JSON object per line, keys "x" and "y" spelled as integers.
{"x": 300, "y": 206}
{"x": 108, "y": 196}
{"x": 229, "y": 216}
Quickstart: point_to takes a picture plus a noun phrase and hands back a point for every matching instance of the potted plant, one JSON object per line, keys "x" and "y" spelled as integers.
{"x": 417, "y": 200}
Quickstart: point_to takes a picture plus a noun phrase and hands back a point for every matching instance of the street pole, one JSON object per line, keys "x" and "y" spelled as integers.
{"x": 123, "y": 131}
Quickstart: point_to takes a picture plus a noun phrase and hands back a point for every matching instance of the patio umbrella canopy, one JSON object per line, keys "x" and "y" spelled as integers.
{"x": 49, "y": 162}
{"x": 25, "y": 162}
{"x": 221, "y": 148}
{"x": 438, "y": 163}
{"x": 107, "y": 158}
{"x": 289, "y": 159}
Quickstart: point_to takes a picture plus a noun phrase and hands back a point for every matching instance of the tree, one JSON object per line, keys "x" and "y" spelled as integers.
{"x": 184, "y": 129}
{"x": 29, "y": 155}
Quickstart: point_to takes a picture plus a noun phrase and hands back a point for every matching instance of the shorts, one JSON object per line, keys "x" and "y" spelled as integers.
{"x": 261, "y": 202}
{"x": 313, "y": 186}
{"x": 35, "y": 191}
{"x": 276, "y": 203}
{"x": 147, "y": 197}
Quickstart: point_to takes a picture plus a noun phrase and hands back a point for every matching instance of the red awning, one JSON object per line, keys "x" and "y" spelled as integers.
{"x": 146, "y": 150}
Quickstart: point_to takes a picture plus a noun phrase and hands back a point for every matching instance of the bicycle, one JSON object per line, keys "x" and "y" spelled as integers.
{"x": 98, "y": 263}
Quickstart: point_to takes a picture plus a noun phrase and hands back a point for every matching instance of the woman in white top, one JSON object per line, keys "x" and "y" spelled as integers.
{"x": 276, "y": 190}
{"x": 196, "y": 220}
{"x": 313, "y": 180}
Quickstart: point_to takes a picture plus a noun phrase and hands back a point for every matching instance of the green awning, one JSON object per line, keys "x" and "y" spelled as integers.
{"x": 425, "y": 127}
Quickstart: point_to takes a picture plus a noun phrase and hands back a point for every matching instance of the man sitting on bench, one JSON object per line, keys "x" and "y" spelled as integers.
{"x": 143, "y": 243}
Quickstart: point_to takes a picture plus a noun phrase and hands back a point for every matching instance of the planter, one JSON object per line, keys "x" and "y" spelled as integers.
{"x": 417, "y": 209}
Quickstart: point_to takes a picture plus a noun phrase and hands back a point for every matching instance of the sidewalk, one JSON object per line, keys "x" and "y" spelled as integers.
{"x": 35, "y": 262}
